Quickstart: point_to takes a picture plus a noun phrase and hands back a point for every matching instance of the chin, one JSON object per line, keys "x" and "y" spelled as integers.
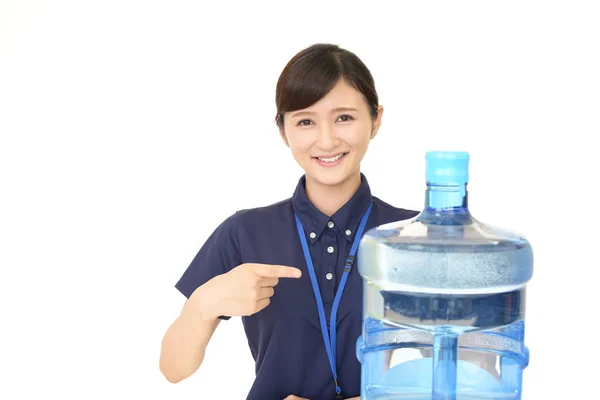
{"x": 329, "y": 178}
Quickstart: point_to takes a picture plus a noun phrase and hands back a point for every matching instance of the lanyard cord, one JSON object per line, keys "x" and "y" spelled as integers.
{"x": 330, "y": 340}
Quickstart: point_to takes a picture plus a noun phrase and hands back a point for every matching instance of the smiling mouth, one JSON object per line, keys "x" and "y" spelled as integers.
{"x": 331, "y": 159}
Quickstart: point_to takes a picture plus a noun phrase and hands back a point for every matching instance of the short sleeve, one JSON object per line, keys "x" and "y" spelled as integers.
{"x": 218, "y": 255}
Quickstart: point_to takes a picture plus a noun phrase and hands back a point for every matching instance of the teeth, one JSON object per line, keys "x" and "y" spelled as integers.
{"x": 331, "y": 159}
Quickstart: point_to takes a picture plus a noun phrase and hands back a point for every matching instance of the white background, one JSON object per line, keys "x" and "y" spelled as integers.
{"x": 119, "y": 119}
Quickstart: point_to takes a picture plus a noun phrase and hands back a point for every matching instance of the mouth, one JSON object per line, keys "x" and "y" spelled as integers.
{"x": 330, "y": 160}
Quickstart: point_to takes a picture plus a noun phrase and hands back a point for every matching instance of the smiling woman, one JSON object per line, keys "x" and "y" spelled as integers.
{"x": 329, "y": 143}
{"x": 327, "y": 114}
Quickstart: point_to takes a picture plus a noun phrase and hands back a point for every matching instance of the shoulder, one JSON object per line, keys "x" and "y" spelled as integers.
{"x": 260, "y": 214}
{"x": 237, "y": 223}
{"x": 249, "y": 227}
{"x": 391, "y": 213}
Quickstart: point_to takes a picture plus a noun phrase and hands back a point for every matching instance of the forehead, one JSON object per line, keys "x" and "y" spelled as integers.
{"x": 342, "y": 95}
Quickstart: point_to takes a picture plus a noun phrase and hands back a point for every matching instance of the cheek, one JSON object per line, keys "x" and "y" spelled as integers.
{"x": 299, "y": 144}
{"x": 359, "y": 140}
{"x": 300, "y": 149}
{"x": 360, "y": 150}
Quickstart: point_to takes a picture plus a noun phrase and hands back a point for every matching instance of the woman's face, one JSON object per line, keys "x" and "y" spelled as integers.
{"x": 330, "y": 138}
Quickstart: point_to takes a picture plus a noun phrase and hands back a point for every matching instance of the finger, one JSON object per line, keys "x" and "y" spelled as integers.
{"x": 269, "y": 282}
{"x": 266, "y": 292}
{"x": 262, "y": 304}
{"x": 277, "y": 271}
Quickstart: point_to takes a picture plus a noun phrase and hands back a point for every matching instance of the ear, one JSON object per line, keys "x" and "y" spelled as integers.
{"x": 282, "y": 134}
{"x": 377, "y": 122}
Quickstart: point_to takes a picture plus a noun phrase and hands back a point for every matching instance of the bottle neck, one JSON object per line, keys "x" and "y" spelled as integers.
{"x": 449, "y": 199}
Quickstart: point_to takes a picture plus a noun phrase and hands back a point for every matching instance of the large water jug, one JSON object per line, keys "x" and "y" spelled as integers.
{"x": 444, "y": 299}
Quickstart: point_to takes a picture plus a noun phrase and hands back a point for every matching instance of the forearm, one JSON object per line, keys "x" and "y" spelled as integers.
{"x": 185, "y": 341}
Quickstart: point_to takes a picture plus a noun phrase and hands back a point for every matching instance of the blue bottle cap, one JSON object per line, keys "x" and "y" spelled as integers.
{"x": 447, "y": 167}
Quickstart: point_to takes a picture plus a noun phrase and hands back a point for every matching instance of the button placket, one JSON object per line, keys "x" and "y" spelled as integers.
{"x": 329, "y": 262}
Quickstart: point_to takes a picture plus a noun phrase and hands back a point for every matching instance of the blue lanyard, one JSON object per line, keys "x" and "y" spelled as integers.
{"x": 330, "y": 341}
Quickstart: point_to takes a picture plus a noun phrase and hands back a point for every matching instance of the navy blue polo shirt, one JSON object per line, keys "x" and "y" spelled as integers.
{"x": 285, "y": 338}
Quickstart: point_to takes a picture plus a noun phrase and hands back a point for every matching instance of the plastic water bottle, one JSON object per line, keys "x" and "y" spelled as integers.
{"x": 444, "y": 299}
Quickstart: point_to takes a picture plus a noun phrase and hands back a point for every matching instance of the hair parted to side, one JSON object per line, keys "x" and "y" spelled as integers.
{"x": 314, "y": 71}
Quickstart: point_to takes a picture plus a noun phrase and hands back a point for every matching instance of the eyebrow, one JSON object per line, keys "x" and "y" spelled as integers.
{"x": 338, "y": 109}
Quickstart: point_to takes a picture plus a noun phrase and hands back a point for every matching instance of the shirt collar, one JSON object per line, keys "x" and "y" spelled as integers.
{"x": 345, "y": 220}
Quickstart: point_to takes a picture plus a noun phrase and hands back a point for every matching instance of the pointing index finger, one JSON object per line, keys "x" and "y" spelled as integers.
{"x": 278, "y": 271}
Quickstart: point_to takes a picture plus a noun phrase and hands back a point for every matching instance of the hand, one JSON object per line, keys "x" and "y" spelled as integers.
{"x": 245, "y": 290}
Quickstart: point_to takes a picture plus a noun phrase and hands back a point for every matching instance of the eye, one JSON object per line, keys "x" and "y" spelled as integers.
{"x": 346, "y": 118}
{"x": 304, "y": 122}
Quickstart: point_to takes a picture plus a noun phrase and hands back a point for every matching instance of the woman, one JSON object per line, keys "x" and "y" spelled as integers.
{"x": 280, "y": 266}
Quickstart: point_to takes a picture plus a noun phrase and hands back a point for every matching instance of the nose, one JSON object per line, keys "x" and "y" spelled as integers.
{"x": 326, "y": 138}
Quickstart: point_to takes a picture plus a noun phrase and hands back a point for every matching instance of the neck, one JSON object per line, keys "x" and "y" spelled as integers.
{"x": 328, "y": 199}
{"x": 446, "y": 201}
{"x": 447, "y": 197}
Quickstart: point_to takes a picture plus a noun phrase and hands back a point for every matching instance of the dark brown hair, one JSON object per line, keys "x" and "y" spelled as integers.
{"x": 314, "y": 71}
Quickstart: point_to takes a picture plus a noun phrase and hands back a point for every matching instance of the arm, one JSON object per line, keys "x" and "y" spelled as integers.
{"x": 245, "y": 290}
{"x": 184, "y": 343}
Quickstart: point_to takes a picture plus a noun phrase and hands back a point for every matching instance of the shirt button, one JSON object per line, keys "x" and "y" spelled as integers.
{"x": 330, "y": 224}
{"x": 329, "y": 276}
{"x": 348, "y": 232}
{"x": 313, "y": 235}
{"x": 330, "y": 249}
